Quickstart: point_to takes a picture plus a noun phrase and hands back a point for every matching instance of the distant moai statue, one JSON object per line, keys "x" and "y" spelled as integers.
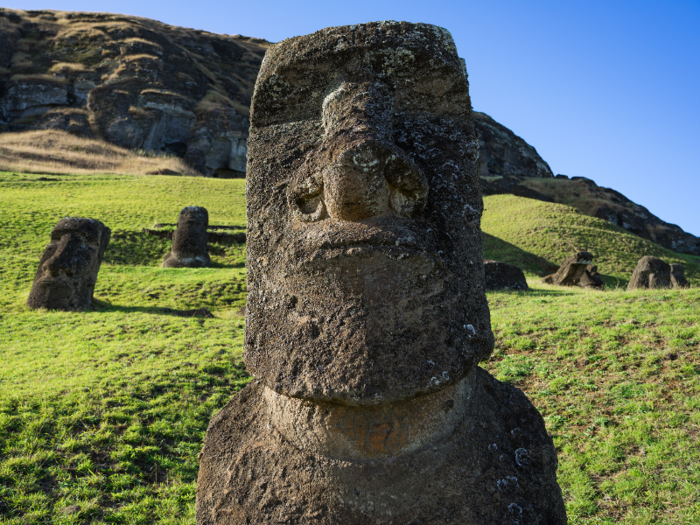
{"x": 189, "y": 248}
{"x": 67, "y": 273}
{"x": 366, "y": 315}
{"x": 571, "y": 270}
{"x": 652, "y": 272}
{"x": 678, "y": 279}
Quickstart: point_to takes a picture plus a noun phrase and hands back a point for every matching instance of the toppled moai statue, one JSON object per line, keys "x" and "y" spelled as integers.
{"x": 652, "y": 272}
{"x": 590, "y": 278}
{"x": 366, "y": 314}
{"x": 678, "y": 279}
{"x": 503, "y": 276}
{"x": 570, "y": 271}
{"x": 68, "y": 269}
{"x": 190, "y": 238}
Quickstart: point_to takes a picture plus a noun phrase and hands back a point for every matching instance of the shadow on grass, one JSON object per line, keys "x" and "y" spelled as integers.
{"x": 500, "y": 250}
{"x": 536, "y": 292}
{"x": 200, "y": 313}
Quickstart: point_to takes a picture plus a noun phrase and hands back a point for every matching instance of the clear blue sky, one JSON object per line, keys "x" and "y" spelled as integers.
{"x": 608, "y": 90}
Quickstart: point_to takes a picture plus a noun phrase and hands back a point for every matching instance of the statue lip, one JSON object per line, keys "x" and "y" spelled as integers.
{"x": 393, "y": 241}
{"x": 385, "y": 236}
{"x": 400, "y": 248}
{"x": 49, "y": 281}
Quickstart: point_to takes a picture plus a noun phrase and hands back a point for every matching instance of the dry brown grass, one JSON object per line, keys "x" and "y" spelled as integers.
{"x": 137, "y": 40}
{"x": 215, "y": 100}
{"x": 59, "y": 152}
{"x": 44, "y": 78}
{"x": 67, "y": 68}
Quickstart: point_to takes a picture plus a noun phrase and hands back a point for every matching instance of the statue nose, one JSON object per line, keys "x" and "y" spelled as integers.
{"x": 62, "y": 261}
{"x": 372, "y": 178}
{"x": 365, "y": 174}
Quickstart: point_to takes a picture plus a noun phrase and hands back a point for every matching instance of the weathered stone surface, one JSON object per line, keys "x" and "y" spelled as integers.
{"x": 366, "y": 314}
{"x": 678, "y": 279}
{"x": 74, "y": 121}
{"x": 504, "y": 158}
{"x": 590, "y": 278}
{"x": 24, "y": 98}
{"x": 503, "y": 276}
{"x": 189, "y": 249}
{"x": 652, "y": 272}
{"x": 570, "y": 271}
{"x": 68, "y": 269}
{"x": 497, "y": 466}
{"x": 143, "y": 84}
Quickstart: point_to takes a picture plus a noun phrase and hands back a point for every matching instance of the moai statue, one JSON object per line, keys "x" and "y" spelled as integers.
{"x": 571, "y": 270}
{"x": 590, "y": 278}
{"x": 650, "y": 272}
{"x": 68, "y": 269}
{"x": 190, "y": 240}
{"x": 366, "y": 315}
{"x": 678, "y": 279}
{"x": 503, "y": 276}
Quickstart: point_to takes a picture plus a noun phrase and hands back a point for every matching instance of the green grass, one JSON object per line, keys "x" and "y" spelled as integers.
{"x": 107, "y": 409}
{"x": 528, "y": 232}
{"x": 616, "y": 376}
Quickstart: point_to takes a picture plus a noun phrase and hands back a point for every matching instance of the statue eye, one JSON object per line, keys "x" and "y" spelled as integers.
{"x": 306, "y": 201}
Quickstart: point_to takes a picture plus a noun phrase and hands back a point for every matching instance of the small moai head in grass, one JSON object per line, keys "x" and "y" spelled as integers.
{"x": 189, "y": 248}
{"x": 366, "y": 279}
{"x": 68, "y": 269}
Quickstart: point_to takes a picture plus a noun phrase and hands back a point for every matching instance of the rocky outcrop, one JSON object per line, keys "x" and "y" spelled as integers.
{"x": 571, "y": 270}
{"x": 134, "y": 82}
{"x": 503, "y": 276}
{"x": 612, "y": 206}
{"x": 508, "y": 164}
{"x": 505, "y": 159}
{"x": 144, "y": 85}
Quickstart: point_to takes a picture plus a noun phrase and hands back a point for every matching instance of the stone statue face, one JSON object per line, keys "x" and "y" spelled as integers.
{"x": 364, "y": 249}
{"x": 190, "y": 240}
{"x": 68, "y": 269}
{"x": 191, "y": 231}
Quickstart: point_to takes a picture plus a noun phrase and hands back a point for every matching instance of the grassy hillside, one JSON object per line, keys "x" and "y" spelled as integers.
{"x": 102, "y": 413}
{"x": 530, "y": 233}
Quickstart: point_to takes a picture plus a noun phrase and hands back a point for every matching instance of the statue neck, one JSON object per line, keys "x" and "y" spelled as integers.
{"x": 369, "y": 431}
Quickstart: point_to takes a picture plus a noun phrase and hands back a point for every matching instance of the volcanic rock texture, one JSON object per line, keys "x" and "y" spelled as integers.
{"x": 189, "y": 249}
{"x": 571, "y": 270}
{"x": 652, "y": 272}
{"x": 131, "y": 81}
{"x": 67, "y": 273}
{"x": 366, "y": 314}
{"x": 503, "y": 276}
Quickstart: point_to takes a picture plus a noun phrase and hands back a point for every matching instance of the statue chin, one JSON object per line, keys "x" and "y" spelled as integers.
{"x": 366, "y": 328}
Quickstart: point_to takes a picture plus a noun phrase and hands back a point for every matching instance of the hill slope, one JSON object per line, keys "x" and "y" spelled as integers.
{"x": 142, "y": 84}
{"x": 530, "y": 233}
{"x": 133, "y": 82}
{"x": 102, "y": 413}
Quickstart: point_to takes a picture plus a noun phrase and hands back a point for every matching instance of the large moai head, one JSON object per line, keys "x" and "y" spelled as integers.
{"x": 68, "y": 269}
{"x": 189, "y": 248}
{"x": 365, "y": 268}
